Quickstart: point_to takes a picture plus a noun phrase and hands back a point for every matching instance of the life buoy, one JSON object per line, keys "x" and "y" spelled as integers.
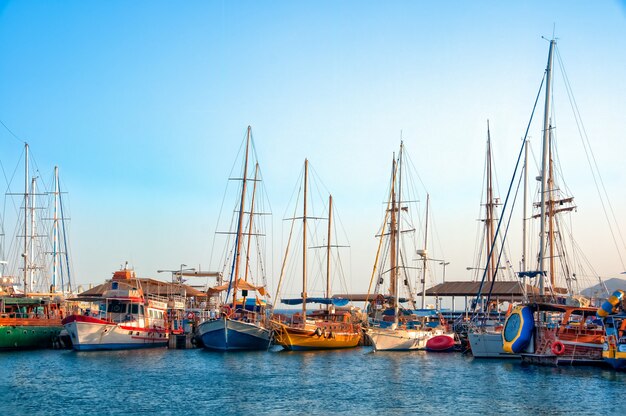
{"x": 558, "y": 348}
{"x": 191, "y": 315}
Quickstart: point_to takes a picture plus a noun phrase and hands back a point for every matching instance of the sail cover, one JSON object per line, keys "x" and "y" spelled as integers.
{"x": 241, "y": 285}
{"x": 324, "y": 301}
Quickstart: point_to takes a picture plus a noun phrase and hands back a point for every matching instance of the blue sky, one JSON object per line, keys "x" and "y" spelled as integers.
{"x": 143, "y": 106}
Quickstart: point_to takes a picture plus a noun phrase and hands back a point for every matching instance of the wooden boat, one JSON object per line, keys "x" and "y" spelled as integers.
{"x": 30, "y": 315}
{"x": 29, "y": 323}
{"x": 242, "y": 325}
{"x": 326, "y": 328}
{"x": 392, "y": 327}
{"x": 556, "y": 326}
{"x": 125, "y": 319}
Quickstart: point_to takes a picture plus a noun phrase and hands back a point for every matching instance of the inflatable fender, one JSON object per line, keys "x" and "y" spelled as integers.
{"x": 609, "y": 306}
{"x": 518, "y": 329}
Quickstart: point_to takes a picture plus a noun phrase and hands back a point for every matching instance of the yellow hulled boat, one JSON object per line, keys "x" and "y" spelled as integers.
{"x": 327, "y": 328}
{"x": 321, "y": 330}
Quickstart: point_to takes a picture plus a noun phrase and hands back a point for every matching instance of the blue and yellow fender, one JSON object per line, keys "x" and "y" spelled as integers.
{"x": 518, "y": 329}
{"x": 609, "y": 306}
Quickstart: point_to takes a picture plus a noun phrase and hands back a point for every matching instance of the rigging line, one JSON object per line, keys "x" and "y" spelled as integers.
{"x": 587, "y": 145}
{"x": 12, "y": 134}
{"x": 519, "y": 158}
{"x": 67, "y": 261}
{"x": 282, "y": 270}
{"x": 381, "y": 239}
{"x": 519, "y": 182}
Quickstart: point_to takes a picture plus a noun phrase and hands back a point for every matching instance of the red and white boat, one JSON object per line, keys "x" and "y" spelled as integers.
{"x": 127, "y": 319}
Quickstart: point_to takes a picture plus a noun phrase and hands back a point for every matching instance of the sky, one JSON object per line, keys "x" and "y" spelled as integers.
{"x": 143, "y": 105}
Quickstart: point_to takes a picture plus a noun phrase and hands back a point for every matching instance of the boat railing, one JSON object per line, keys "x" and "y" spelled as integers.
{"x": 157, "y": 298}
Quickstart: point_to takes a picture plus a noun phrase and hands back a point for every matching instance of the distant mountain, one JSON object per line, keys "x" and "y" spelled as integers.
{"x": 598, "y": 291}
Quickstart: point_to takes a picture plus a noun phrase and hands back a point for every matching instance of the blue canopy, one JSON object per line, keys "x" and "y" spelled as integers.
{"x": 324, "y": 301}
{"x": 530, "y": 273}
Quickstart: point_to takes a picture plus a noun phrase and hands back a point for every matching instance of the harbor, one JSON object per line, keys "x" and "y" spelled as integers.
{"x": 336, "y": 208}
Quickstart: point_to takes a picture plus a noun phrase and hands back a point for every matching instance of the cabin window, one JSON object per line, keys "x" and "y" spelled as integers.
{"x": 134, "y": 308}
{"x": 116, "y": 307}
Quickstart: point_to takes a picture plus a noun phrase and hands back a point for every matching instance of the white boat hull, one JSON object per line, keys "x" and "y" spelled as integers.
{"x": 488, "y": 344}
{"x": 88, "y": 336}
{"x": 388, "y": 339}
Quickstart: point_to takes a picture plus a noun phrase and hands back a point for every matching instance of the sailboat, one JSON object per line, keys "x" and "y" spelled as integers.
{"x": 391, "y": 326}
{"x": 30, "y": 318}
{"x": 556, "y": 326}
{"x": 485, "y": 330}
{"x": 326, "y": 328}
{"x": 241, "y": 324}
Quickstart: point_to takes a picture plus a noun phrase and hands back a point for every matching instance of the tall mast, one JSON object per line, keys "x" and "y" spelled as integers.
{"x": 306, "y": 178}
{"x": 245, "y": 276}
{"x": 398, "y": 232}
{"x": 425, "y": 257}
{"x": 525, "y": 216}
{"x": 241, "y": 214}
{"x": 392, "y": 235}
{"x": 491, "y": 270}
{"x": 544, "y": 167}
{"x": 551, "y": 225}
{"x": 25, "y": 254}
{"x": 328, "y": 253}
{"x": 55, "y": 231}
{"x": 33, "y": 192}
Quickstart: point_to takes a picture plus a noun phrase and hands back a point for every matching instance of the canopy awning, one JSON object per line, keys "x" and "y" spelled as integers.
{"x": 324, "y": 301}
{"x": 241, "y": 285}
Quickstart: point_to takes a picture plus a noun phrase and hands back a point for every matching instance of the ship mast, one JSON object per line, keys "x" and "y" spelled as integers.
{"x": 425, "y": 256}
{"x": 55, "y": 231}
{"x": 306, "y": 178}
{"x": 245, "y": 277}
{"x": 240, "y": 225}
{"x": 397, "y": 235}
{"x": 489, "y": 217}
{"x": 544, "y": 167}
{"x": 392, "y": 236}
{"x": 328, "y": 253}
{"x": 25, "y": 254}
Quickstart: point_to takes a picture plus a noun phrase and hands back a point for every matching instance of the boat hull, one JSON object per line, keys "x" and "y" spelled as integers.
{"x": 27, "y": 333}
{"x": 92, "y": 334}
{"x": 225, "y": 334}
{"x": 313, "y": 337}
{"x": 388, "y": 339}
{"x": 488, "y": 345}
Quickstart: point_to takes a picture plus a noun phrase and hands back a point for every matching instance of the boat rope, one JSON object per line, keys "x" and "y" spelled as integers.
{"x": 593, "y": 164}
{"x": 282, "y": 269}
{"x": 380, "y": 241}
{"x": 506, "y": 201}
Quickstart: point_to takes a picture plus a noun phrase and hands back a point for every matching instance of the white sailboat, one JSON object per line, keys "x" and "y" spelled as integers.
{"x": 392, "y": 327}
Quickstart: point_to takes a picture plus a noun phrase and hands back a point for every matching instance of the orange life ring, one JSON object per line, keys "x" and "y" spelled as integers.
{"x": 558, "y": 348}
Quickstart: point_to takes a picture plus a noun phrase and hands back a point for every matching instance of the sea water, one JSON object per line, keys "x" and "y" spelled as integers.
{"x": 354, "y": 381}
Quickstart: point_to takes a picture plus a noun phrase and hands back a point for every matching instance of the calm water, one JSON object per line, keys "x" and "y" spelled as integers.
{"x": 276, "y": 382}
